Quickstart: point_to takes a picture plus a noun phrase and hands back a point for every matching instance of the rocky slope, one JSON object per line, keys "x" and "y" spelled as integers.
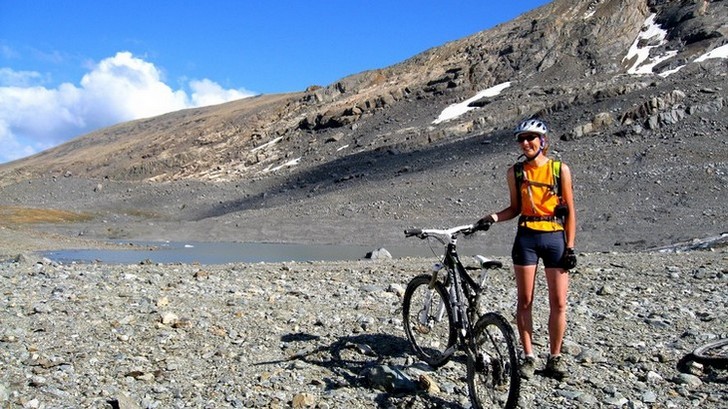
{"x": 636, "y": 112}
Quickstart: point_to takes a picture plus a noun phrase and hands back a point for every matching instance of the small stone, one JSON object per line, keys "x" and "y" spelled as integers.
{"x": 169, "y": 318}
{"x": 617, "y": 401}
{"x": 695, "y": 368}
{"x": 187, "y": 323}
{"x": 37, "y": 381}
{"x": 688, "y": 380}
{"x": 571, "y": 395}
{"x": 428, "y": 384}
{"x": 649, "y": 397}
{"x": 32, "y": 404}
{"x": 571, "y": 348}
{"x": 4, "y": 393}
{"x": 388, "y": 379}
{"x": 304, "y": 400}
{"x": 589, "y": 356}
{"x": 379, "y": 254}
{"x": 653, "y": 377}
{"x": 587, "y": 399}
{"x": 125, "y": 402}
{"x": 396, "y": 289}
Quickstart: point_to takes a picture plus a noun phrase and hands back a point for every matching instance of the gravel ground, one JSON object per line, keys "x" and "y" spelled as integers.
{"x": 307, "y": 334}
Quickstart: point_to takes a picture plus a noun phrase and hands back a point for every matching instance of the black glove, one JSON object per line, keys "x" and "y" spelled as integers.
{"x": 568, "y": 261}
{"x": 484, "y": 223}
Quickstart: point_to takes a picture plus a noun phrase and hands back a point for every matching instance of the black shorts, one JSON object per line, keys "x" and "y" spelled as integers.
{"x": 532, "y": 245}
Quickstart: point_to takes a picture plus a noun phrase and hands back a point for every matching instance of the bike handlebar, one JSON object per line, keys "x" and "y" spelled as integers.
{"x": 446, "y": 235}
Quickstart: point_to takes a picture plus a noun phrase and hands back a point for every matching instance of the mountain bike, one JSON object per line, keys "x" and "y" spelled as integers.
{"x": 441, "y": 316}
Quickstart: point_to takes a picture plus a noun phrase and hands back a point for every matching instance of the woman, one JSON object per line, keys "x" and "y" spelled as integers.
{"x": 542, "y": 195}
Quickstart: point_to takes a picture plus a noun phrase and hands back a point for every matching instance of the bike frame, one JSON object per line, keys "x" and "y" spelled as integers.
{"x": 464, "y": 291}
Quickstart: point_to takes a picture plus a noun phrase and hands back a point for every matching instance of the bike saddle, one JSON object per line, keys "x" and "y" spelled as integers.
{"x": 488, "y": 263}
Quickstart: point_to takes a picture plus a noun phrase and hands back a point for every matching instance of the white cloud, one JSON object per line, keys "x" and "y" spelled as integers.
{"x": 8, "y": 52}
{"x": 117, "y": 89}
{"x": 206, "y": 92}
{"x": 12, "y": 78}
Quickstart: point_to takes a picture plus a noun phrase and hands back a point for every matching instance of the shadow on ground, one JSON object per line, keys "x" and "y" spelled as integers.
{"x": 348, "y": 357}
{"x": 371, "y": 166}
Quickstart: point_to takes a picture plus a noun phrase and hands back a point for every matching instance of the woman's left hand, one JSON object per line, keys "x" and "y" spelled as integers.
{"x": 568, "y": 261}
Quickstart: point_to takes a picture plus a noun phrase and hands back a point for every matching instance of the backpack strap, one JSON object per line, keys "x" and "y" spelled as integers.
{"x": 518, "y": 172}
{"x": 556, "y": 171}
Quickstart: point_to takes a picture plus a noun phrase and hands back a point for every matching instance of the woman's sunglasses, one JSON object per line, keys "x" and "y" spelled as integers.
{"x": 527, "y": 137}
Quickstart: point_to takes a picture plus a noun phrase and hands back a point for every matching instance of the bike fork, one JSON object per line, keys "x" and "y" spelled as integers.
{"x": 424, "y": 315}
{"x": 427, "y": 307}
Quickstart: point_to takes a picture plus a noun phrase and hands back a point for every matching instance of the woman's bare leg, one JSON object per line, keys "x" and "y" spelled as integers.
{"x": 558, "y": 283}
{"x": 525, "y": 283}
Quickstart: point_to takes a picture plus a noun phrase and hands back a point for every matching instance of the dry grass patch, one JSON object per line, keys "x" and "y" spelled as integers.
{"x": 16, "y": 215}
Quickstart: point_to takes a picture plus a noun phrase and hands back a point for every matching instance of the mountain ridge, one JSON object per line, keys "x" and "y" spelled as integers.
{"x": 372, "y": 135}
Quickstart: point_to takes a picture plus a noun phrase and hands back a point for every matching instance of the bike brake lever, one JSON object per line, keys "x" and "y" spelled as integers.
{"x": 470, "y": 232}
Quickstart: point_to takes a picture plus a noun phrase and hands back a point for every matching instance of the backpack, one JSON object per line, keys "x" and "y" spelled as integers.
{"x": 561, "y": 210}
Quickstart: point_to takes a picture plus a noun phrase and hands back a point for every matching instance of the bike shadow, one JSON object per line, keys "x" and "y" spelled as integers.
{"x": 349, "y": 357}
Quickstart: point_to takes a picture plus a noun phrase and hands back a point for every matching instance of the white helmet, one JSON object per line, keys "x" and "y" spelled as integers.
{"x": 531, "y": 125}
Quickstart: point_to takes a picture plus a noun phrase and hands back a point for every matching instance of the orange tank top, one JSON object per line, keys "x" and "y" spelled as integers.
{"x": 538, "y": 197}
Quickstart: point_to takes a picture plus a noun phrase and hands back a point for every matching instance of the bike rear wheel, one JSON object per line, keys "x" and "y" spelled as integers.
{"x": 493, "y": 379}
{"x": 713, "y": 354}
{"x": 428, "y": 320}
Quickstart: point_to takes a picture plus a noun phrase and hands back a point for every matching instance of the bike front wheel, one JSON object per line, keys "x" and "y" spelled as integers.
{"x": 493, "y": 379}
{"x": 428, "y": 320}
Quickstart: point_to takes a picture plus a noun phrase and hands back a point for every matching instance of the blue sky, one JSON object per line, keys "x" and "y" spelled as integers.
{"x": 70, "y": 67}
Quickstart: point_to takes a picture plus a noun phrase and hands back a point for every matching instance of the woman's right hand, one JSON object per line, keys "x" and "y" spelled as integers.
{"x": 485, "y": 222}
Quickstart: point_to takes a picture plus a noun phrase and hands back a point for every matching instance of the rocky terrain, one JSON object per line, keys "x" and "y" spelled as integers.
{"x": 638, "y": 112}
{"x": 329, "y": 335}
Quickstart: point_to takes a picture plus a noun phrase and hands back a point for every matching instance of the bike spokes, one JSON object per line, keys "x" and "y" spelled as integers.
{"x": 492, "y": 371}
{"x": 427, "y": 320}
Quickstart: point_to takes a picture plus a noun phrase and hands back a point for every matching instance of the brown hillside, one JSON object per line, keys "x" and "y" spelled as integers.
{"x": 647, "y": 151}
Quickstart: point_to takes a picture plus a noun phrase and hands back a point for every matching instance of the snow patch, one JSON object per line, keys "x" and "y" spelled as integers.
{"x": 290, "y": 163}
{"x": 720, "y": 52}
{"x": 455, "y": 110}
{"x": 267, "y": 144}
{"x": 664, "y": 74}
{"x": 653, "y": 34}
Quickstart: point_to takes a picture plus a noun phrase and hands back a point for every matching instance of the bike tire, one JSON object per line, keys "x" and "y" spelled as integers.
{"x": 430, "y": 329}
{"x": 493, "y": 379}
{"x": 713, "y": 354}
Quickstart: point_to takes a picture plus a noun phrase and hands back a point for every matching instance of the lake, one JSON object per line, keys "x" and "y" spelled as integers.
{"x": 225, "y": 252}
